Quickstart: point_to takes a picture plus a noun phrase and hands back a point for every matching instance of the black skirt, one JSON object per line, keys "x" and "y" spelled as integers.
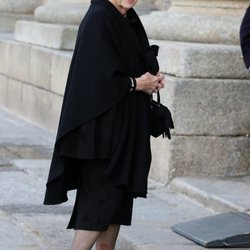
{"x": 99, "y": 203}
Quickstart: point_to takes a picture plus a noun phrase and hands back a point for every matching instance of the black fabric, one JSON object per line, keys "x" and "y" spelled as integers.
{"x": 245, "y": 37}
{"x": 100, "y": 117}
{"x": 98, "y": 202}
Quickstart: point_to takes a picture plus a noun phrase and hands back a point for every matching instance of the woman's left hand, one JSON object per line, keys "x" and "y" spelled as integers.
{"x": 161, "y": 82}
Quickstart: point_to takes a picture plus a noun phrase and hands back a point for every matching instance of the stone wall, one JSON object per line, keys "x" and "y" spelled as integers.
{"x": 207, "y": 89}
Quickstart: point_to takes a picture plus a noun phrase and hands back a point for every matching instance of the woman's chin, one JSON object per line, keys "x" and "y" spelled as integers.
{"x": 128, "y": 4}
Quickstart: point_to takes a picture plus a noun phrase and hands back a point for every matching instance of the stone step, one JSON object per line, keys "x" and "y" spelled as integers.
{"x": 56, "y": 36}
{"x": 221, "y": 194}
{"x": 208, "y": 107}
{"x": 176, "y": 58}
{"x": 199, "y": 156}
{"x": 22, "y": 139}
{"x": 201, "y": 60}
{"x": 41, "y": 67}
{"x": 201, "y": 28}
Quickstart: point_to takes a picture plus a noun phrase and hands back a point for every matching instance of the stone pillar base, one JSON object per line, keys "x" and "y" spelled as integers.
{"x": 61, "y": 13}
{"x": 199, "y": 156}
{"x": 189, "y": 27}
{"x": 8, "y": 20}
{"x": 13, "y": 10}
{"x": 55, "y": 27}
{"x": 55, "y": 36}
{"x": 199, "y": 60}
{"x": 219, "y": 7}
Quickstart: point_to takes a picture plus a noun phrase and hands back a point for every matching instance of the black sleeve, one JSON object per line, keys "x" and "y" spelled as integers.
{"x": 245, "y": 37}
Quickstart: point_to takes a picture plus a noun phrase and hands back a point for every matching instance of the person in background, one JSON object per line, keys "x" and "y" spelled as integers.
{"x": 245, "y": 38}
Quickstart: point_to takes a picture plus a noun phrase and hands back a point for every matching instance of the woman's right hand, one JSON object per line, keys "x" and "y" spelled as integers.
{"x": 150, "y": 83}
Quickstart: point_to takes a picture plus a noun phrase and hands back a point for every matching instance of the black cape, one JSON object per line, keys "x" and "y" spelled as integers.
{"x": 100, "y": 117}
{"x": 245, "y": 38}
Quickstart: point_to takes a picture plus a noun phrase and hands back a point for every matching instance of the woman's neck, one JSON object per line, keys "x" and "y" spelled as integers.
{"x": 119, "y": 7}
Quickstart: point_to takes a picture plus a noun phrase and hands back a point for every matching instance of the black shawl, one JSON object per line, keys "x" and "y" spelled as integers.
{"x": 100, "y": 117}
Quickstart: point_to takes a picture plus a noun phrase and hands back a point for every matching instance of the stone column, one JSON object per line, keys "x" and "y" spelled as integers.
{"x": 198, "y": 21}
{"x": 13, "y": 10}
{"x": 55, "y": 26}
{"x": 207, "y": 89}
{"x": 62, "y": 12}
{"x": 211, "y": 6}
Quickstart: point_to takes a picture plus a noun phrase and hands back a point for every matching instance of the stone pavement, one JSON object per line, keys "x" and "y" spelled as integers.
{"x": 25, "y": 223}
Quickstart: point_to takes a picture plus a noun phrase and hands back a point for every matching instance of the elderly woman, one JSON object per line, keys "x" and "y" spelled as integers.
{"x": 102, "y": 147}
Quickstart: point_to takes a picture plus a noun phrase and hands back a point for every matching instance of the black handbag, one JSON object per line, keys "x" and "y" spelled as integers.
{"x": 161, "y": 118}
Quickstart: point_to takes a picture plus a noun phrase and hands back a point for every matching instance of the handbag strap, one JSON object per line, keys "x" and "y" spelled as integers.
{"x": 158, "y": 98}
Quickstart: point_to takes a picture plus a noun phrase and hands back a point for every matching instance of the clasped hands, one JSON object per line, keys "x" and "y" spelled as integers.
{"x": 149, "y": 83}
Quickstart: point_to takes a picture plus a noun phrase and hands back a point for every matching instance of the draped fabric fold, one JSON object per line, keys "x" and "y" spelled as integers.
{"x": 100, "y": 117}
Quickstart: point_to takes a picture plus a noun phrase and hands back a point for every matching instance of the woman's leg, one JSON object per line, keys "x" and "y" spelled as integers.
{"x": 107, "y": 239}
{"x": 84, "y": 240}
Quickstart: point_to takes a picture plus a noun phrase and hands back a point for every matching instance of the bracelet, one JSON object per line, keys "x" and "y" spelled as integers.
{"x": 133, "y": 84}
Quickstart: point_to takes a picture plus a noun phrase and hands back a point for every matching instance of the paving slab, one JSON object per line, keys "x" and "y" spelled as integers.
{"x": 38, "y": 168}
{"x": 17, "y": 131}
{"x": 19, "y": 188}
{"x": 224, "y": 194}
{"x": 12, "y": 237}
{"x": 50, "y": 229}
{"x": 20, "y": 138}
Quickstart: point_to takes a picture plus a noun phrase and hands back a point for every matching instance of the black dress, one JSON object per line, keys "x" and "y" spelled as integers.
{"x": 104, "y": 126}
{"x": 99, "y": 203}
